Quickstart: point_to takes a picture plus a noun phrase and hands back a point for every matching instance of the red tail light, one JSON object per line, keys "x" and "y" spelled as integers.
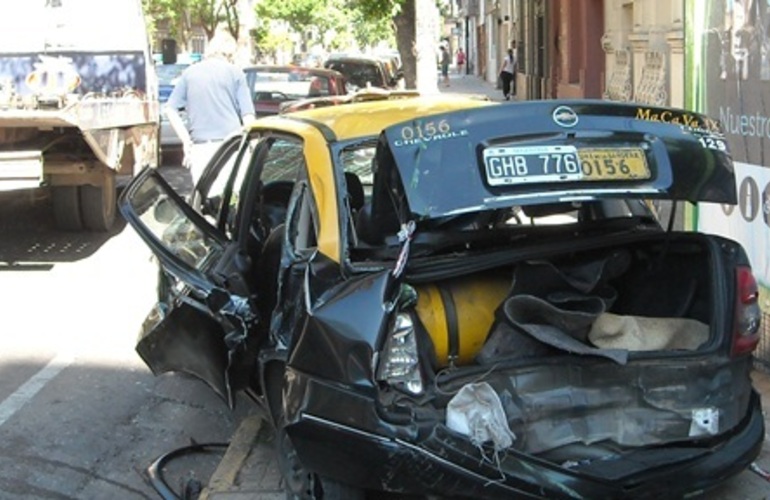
{"x": 747, "y": 313}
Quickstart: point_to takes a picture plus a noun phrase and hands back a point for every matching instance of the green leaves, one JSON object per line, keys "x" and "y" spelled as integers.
{"x": 181, "y": 16}
{"x": 300, "y": 15}
{"x": 332, "y": 24}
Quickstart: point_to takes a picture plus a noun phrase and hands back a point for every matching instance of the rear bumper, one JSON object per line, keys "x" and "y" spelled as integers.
{"x": 444, "y": 463}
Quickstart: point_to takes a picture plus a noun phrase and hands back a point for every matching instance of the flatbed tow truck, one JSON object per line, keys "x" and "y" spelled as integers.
{"x": 78, "y": 105}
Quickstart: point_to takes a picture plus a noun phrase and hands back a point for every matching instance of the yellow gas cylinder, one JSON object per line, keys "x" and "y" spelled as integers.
{"x": 458, "y": 314}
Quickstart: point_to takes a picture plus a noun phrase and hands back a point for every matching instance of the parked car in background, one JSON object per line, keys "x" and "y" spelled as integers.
{"x": 363, "y": 71}
{"x": 393, "y": 55}
{"x": 274, "y": 86}
{"x": 453, "y": 297}
{"x": 363, "y": 95}
{"x": 393, "y": 69}
{"x": 168, "y": 74}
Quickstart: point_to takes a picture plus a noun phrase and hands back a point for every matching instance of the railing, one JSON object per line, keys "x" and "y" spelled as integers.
{"x": 620, "y": 87}
{"x": 652, "y": 87}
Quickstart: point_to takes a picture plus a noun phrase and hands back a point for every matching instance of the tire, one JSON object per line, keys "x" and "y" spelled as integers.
{"x": 301, "y": 484}
{"x": 298, "y": 482}
{"x": 66, "y": 208}
{"x": 98, "y": 204}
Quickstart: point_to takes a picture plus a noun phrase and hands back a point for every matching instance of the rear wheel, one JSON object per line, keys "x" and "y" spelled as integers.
{"x": 299, "y": 483}
{"x": 98, "y": 204}
{"x": 66, "y": 208}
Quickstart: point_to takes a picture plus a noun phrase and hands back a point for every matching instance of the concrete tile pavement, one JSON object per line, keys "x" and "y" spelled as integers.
{"x": 470, "y": 84}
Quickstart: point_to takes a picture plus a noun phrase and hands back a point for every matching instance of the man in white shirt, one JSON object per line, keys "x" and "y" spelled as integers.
{"x": 217, "y": 101}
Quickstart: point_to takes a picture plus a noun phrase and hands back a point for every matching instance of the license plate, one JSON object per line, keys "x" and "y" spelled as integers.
{"x": 555, "y": 164}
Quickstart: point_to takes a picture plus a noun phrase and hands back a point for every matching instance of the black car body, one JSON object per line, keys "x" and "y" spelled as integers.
{"x": 464, "y": 298}
{"x": 362, "y": 71}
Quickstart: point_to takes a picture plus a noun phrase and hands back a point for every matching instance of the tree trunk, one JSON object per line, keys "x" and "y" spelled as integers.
{"x": 405, "y": 41}
{"x": 416, "y": 35}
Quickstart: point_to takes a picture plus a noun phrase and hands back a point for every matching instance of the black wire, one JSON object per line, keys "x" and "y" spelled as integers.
{"x": 155, "y": 470}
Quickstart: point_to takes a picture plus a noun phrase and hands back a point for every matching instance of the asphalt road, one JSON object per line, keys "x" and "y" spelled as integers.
{"x": 80, "y": 414}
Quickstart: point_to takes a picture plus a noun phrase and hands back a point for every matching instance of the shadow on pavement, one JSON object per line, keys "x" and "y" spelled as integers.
{"x": 30, "y": 241}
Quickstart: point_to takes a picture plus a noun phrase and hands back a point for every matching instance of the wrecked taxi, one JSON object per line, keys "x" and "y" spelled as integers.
{"x": 448, "y": 296}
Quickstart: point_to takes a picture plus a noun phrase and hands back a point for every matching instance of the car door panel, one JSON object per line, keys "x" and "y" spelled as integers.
{"x": 189, "y": 340}
{"x": 204, "y": 313}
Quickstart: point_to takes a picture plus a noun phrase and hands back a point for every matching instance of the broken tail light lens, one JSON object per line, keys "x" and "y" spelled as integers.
{"x": 399, "y": 361}
{"x": 747, "y": 313}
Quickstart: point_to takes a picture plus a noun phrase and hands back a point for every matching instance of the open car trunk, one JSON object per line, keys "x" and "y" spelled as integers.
{"x": 598, "y": 342}
{"x": 587, "y": 357}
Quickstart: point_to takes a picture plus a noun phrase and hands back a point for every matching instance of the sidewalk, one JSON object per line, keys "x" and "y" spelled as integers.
{"x": 470, "y": 84}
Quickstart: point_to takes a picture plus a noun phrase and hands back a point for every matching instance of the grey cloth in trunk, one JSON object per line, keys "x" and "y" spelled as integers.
{"x": 551, "y": 326}
{"x": 563, "y": 308}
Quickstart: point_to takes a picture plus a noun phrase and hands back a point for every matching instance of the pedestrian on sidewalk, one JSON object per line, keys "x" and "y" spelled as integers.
{"x": 216, "y": 98}
{"x": 445, "y": 58}
{"x": 460, "y": 60}
{"x": 507, "y": 75}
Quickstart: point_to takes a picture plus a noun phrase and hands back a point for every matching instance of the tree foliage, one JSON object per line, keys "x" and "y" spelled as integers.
{"x": 374, "y": 10}
{"x": 336, "y": 24}
{"x": 300, "y": 15}
{"x": 207, "y": 14}
{"x": 232, "y": 17}
{"x": 181, "y": 16}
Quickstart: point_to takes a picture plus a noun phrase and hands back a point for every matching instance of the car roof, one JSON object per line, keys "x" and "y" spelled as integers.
{"x": 276, "y": 68}
{"x": 355, "y": 58}
{"x": 345, "y": 121}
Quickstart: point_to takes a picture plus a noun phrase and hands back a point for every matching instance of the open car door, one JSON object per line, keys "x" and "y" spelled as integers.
{"x": 204, "y": 311}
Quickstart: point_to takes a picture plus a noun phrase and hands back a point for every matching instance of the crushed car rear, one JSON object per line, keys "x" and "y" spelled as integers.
{"x": 523, "y": 324}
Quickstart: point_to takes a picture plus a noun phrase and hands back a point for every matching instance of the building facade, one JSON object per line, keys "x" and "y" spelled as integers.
{"x": 611, "y": 49}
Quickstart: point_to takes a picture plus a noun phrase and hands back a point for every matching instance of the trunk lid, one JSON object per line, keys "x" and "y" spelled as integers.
{"x": 553, "y": 151}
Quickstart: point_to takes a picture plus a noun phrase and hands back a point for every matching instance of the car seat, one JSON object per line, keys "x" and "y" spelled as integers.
{"x": 355, "y": 191}
{"x": 379, "y": 218}
{"x": 268, "y": 269}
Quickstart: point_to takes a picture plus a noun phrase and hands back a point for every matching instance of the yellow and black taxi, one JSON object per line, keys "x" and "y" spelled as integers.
{"x": 445, "y": 296}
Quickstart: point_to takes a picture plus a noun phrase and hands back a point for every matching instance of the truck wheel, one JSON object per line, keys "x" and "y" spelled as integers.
{"x": 98, "y": 204}
{"x": 66, "y": 208}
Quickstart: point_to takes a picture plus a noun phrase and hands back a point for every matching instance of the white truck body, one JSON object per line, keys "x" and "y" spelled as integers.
{"x": 78, "y": 103}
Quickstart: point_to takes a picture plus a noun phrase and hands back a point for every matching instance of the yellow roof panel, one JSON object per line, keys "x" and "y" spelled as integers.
{"x": 362, "y": 119}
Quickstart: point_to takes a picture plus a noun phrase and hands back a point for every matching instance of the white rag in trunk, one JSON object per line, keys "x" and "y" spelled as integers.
{"x": 477, "y": 412}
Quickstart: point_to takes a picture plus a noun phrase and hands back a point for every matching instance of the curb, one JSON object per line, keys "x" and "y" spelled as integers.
{"x": 223, "y": 482}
